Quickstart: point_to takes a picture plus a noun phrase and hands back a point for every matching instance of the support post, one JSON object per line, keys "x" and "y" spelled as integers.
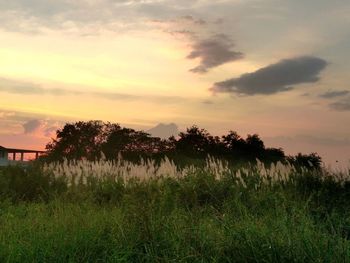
{"x": 22, "y": 156}
{"x": 14, "y": 156}
{"x": 36, "y": 156}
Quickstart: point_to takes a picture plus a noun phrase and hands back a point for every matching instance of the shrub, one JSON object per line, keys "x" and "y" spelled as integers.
{"x": 29, "y": 183}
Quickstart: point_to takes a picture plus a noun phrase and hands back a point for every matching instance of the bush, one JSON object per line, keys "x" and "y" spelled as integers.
{"x": 29, "y": 184}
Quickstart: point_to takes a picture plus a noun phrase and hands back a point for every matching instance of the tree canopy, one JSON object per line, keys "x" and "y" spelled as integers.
{"x": 91, "y": 139}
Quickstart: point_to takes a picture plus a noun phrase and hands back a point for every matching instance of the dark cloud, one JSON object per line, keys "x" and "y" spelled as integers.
{"x": 210, "y": 49}
{"x": 213, "y": 52}
{"x": 341, "y": 105}
{"x": 32, "y": 126}
{"x": 164, "y": 130}
{"x": 334, "y": 94}
{"x": 275, "y": 78}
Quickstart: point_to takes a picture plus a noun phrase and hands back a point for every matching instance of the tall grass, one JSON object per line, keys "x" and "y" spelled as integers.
{"x": 119, "y": 211}
{"x": 85, "y": 172}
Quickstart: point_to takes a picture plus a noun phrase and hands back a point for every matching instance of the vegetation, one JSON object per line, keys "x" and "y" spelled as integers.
{"x": 121, "y": 211}
{"x": 91, "y": 139}
{"x": 110, "y": 194}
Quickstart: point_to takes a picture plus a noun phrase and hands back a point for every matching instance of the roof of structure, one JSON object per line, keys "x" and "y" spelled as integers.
{"x": 13, "y": 150}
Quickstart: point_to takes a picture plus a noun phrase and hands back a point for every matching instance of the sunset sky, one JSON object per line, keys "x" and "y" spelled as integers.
{"x": 279, "y": 68}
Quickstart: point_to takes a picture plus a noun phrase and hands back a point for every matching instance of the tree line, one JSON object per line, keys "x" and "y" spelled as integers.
{"x": 92, "y": 139}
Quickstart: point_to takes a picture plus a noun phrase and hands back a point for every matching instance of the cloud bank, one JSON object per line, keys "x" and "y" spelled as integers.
{"x": 278, "y": 77}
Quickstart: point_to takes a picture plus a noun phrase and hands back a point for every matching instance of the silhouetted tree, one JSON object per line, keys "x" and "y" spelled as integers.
{"x": 311, "y": 161}
{"x": 255, "y": 147}
{"x": 117, "y": 139}
{"x": 194, "y": 142}
{"x": 76, "y": 141}
{"x": 90, "y": 139}
{"x": 234, "y": 144}
{"x": 216, "y": 147}
{"x": 274, "y": 155}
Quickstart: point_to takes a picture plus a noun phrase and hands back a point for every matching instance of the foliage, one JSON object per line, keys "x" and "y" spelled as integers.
{"x": 29, "y": 183}
{"x": 78, "y": 140}
{"x": 312, "y": 161}
{"x": 81, "y": 211}
{"x": 90, "y": 139}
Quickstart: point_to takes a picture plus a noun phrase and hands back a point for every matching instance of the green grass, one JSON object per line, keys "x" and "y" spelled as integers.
{"x": 194, "y": 219}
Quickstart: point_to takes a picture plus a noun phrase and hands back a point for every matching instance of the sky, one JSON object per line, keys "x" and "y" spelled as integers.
{"x": 278, "y": 68}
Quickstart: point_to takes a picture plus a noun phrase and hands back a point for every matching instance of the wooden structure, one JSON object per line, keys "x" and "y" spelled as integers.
{"x": 6, "y": 152}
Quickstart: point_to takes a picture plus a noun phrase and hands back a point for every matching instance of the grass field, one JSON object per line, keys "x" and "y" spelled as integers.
{"x": 123, "y": 212}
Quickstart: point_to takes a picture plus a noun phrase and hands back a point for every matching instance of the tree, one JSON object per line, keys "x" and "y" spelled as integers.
{"x": 255, "y": 147}
{"x": 117, "y": 139}
{"x": 274, "y": 154}
{"x": 77, "y": 140}
{"x": 193, "y": 142}
{"x": 235, "y": 144}
{"x": 310, "y": 161}
{"x": 89, "y": 139}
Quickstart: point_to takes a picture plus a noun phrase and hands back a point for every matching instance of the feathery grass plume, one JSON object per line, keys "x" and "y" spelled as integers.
{"x": 84, "y": 172}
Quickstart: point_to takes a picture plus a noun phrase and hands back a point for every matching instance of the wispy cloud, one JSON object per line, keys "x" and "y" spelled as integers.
{"x": 24, "y": 87}
{"x": 198, "y": 21}
{"x": 18, "y": 116}
{"x": 334, "y": 94}
{"x": 275, "y": 78}
{"x": 34, "y": 16}
{"x": 343, "y": 105}
{"x": 28, "y": 88}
